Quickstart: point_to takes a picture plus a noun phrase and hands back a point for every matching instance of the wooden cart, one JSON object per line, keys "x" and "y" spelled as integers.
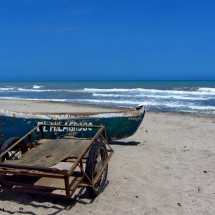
{"x": 55, "y": 166}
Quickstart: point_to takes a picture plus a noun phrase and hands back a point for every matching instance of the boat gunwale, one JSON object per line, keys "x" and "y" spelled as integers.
{"x": 140, "y": 110}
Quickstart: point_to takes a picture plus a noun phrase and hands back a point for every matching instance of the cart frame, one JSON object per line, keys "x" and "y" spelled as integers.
{"x": 38, "y": 179}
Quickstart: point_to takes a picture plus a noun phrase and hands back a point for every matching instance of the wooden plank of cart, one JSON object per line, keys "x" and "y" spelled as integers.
{"x": 55, "y": 166}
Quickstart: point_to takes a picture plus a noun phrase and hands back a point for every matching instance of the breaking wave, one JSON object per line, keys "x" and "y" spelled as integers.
{"x": 176, "y": 99}
{"x": 37, "y": 86}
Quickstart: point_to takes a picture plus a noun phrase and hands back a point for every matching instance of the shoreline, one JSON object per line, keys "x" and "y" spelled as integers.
{"x": 38, "y": 106}
{"x": 29, "y": 106}
{"x": 166, "y": 167}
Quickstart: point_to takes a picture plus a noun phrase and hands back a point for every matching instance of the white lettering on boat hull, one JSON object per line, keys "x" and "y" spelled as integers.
{"x": 52, "y": 127}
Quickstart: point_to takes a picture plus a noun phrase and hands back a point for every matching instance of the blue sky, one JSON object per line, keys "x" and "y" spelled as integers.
{"x": 43, "y": 40}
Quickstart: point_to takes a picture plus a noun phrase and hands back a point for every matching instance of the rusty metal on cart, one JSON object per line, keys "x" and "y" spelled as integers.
{"x": 54, "y": 167}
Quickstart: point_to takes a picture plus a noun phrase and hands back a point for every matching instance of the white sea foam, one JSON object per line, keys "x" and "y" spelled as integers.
{"x": 51, "y": 100}
{"x": 118, "y": 91}
{"x": 178, "y": 99}
{"x": 33, "y": 90}
{"x": 9, "y": 98}
{"x": 196, "y": 107}
{"x": 108, "y": 101}
{"x": 207, "y": 89}
{"x": 200, "y": 91}
{"x": 112, "y": 95}
{"x": 6, "y": 88}
{"x": 37, "y": 86}
{"x": 173, "y": 97}
{"x": 93, "y": 90}
{"x": 48, "y": 90}
{"x": 161, "y": 96}
{"x": 33, "y": 99}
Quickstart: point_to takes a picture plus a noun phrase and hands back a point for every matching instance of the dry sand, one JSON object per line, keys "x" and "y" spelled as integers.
{"x": 167, "y": 167}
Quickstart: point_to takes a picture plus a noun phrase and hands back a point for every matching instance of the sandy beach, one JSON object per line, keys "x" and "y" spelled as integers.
{"x": 166, "y": 167}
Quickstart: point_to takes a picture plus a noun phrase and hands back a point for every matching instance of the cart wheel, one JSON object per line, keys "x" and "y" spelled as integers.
{"x": 14, "y": 153}
{"x": 96, "y": 158}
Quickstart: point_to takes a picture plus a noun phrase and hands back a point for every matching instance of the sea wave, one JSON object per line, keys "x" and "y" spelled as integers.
{"x": 32, "y": 90}
{"x": 196, "y": 107}
{"x": 48, "y": 90}
{"x": 116, "y": 91}
{"x": 6, "y": 88}
{"x": 181, "y": 99}
{"x": 157, "y": 96}
{"x": 37, "y": 86}
{"x": 93, "y": 90}
{"x": 106, "y": 102}
{"x": 35, "y": 99}
{"x": 199, "y": 91}
{"x": 111, "y": 95}
{"x": 207, "y": 89}
{"x": 124, "y": 102}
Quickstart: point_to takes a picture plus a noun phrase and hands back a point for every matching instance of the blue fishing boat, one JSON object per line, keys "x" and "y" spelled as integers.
{"x": 120, "y": 124}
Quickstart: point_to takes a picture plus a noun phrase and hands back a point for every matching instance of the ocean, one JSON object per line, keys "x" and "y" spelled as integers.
{"x": 172, "y": 96}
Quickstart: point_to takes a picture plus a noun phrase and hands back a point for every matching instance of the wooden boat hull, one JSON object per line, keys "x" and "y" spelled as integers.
{"x": 118, "y": 125}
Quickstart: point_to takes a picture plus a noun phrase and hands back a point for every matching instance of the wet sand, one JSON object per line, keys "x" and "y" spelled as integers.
{"x": 166, "y": 167}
